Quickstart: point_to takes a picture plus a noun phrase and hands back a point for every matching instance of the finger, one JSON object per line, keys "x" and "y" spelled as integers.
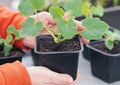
{"x": 63, "y": 79}
{"x": 51, "y": 25}
{"x": 57, "y": 78}
{"x": 77, "y": 79}
{"x": 49, "y": 18}
{"x": 84, "y": 41}
{"x": 79, "y": 25}
{"x": 44, "y": 21}
{"x": 29, "y": 42}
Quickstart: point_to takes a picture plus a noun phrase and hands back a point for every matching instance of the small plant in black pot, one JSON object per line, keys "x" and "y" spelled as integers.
{"x": 9, "y": 53}
{"x": 60, "y": 50}
{"x": 105, "y": 57}
{"x": 90, "y": 10}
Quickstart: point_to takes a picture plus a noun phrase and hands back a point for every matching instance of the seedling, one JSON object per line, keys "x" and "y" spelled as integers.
{"x": 111, "y": 38}
{"x": 92, "y": 9}
{"x": 19, "y": 34}
{"x": 66, "y": 28}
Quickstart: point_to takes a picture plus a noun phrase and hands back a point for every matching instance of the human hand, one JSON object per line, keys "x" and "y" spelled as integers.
{"x": 44, "y": 17}
{"x": 44, "y": 76}
{"x": 47, "y": 19}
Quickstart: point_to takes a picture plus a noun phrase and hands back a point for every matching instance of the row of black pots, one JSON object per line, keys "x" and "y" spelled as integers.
{"x": 104, "y": 66}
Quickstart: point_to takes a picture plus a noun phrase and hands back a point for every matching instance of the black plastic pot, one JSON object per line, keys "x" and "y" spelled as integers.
{"x": 86, "y": 51}
{"x": 104, "y": 66}
{"x": 61, "y": 62}
{"x": 11, "y": 59}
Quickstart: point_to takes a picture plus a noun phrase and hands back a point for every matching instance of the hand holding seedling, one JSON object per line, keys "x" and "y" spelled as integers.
{"x": 111, "y": 37}
{"x": 66, "y": 27}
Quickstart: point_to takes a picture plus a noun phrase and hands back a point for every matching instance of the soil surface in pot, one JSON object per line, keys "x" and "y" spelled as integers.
{"x": 48, "y": 45}
{"x": 102, "y": 47}
{"x": 14, "y": 53}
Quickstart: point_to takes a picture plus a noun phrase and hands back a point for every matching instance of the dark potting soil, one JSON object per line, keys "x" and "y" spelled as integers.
{"x": 48, "y": 45}
{"x": 102, "y": 47}
{"x": 12, "y": 54}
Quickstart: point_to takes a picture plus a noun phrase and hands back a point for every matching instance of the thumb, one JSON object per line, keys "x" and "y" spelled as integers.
{"x": 63, "y": 79}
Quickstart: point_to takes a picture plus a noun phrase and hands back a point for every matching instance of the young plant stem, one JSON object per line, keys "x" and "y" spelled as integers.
{"x": 51, "y": 32}
{"x": 13, "y": 41}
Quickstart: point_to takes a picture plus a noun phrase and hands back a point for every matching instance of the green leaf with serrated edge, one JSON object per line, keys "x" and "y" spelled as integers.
{"x": 37, "y": 4}
{"x": 115, "y": 36}
{"x": 29, "y": 28}
{"x": 56, "y": 12}
{"x": 25, "y": 8}
{"x": 97, "y": 10}
{"x": 74, "y": 6}
{"x": 109, "y": 44}
{"x": 66, "y": 28}
{"x": 112, "y": 36}
{"x": 7, "y": 49}
{"x": 28, "y": 7}
{"x": 95, "y": 28}
{"x": 86, "y": 11}
{"x": 8, "y": 39}
{"x": 12, "y": 30}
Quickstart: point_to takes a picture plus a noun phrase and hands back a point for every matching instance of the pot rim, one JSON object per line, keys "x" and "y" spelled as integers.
{"x": 94, "y": 42}
{"x": 58, "y": 52}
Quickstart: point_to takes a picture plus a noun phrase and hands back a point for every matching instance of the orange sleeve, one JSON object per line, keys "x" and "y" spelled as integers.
{"x": 14, "y": 74}
{"x": 8, "y": 17}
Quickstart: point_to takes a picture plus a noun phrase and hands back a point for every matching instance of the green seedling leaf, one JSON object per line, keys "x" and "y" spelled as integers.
{"x": 56, "y": 12}
{"x": 74, "y": 6}
{"x": 109, "y": 44}
{"x": 25, "y": 8}
{"x": 7, "y": 49}
{"x": 37, "y": 4}
{"x": 12, "y": 30}
{"x": 66, "y": 28}
{"x": 8, "y": 39}
{"x": 115, "y": 36}
{"x": 112, "y": 36}
{"x": 28, "y": 7}
{"x": 95, "y": 28}
{"x": 30, "y": 28}
{"x": 86, "y": 11}
{"x": 97, "y": 10}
